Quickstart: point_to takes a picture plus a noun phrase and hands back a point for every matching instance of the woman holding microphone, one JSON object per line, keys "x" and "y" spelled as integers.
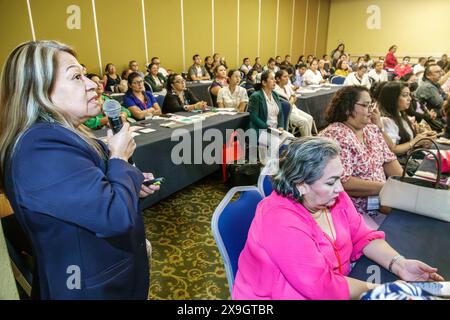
{"x": 75, "y": 197}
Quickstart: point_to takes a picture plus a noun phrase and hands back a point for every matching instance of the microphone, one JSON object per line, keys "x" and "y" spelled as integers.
{"x": 112, "y": 110}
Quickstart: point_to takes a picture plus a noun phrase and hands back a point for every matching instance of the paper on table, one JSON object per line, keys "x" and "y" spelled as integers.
{"x": 148, "y": 130}
{"x": 227, "y": 113}
{"x": 135, "y": 134}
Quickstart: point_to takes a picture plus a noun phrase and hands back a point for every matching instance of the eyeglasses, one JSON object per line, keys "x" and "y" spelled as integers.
{"x": 369, "y": 105}
{"x": 138, "y": 82}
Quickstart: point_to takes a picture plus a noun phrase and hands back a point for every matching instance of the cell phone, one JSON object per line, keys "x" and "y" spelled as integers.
{"x": 435, "y": 288}
{"x": 155, "y": 182}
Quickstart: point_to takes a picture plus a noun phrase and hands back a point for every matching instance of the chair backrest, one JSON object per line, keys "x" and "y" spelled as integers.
{"x": 160, "y": 99}
{"x": 286, "y": 109}
{"x": 230, "y": 224}
{"x": 337, "y": 80}
{"x": 20, "y": 269}
{"x": 265, "y": 184}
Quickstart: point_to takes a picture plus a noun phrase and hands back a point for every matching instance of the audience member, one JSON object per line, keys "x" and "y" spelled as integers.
{"x": 245, "y": 67}
{"x": 342, "y": 69}
{"x": 179, "y": 98}
{"x": 337, "y": 53}
{"x": 358, "y": 77}
{"x": 400, "y": 134}
{"x": 404, "y": 68}
{"x": 155, "y": 79}
{"x": 209, "y": 66}
{"x": 100, "y": 120}
{"x": 197, "y": 72}
{"x": 287, "y": 62}
{"x": 139, "y": 102}
{"x": 111, "y": 79}
{"x": 250, "y": 81}
{"x": 271, "y": 65}
{"x": 307, "y": 233}
{"x": 366, "y": 157}
{"x": 220, "y": 80}
{"x": 323, "y": 71}
{"x": 390, "y": 61}
{"x": 133, "y": 66}
{"x": 443, "y": 62}
{"x": 233, "y": 96}
{"x": 258, "y": 66}
{"x": 429, "y": 91}
{"x": 299, "y": 75}
{"x": 297, "y": 117}
{"x": 378, "y": 74}
{"x": 161, "y": 70}
{"x": 313, "y": 75}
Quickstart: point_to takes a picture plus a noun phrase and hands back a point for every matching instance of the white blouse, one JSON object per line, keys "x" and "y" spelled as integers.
{"x": 272, "y": 111}
{"x": 232, "y": 100}
{"x": 312, "y": 78}
{"x": 393, "y": 131}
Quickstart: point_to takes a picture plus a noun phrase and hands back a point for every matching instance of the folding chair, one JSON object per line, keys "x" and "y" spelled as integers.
{"x": 230, "y": 224}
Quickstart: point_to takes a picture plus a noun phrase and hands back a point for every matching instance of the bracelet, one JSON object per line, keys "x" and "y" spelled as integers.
{"x": 394, "y": 259}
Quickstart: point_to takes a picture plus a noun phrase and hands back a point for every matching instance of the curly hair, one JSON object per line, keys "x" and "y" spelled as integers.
{"x": 343, "y": 103}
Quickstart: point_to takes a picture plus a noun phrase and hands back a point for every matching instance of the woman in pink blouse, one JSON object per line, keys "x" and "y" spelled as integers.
{"x": 307, "y": 232}
{"x": 355, "y": 124}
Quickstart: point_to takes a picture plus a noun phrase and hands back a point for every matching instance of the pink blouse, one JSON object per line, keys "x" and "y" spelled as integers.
{"x": 362, "y": 160}
{"x": 288, "y": 256}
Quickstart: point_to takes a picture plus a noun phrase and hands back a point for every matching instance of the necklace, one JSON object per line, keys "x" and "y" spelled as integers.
{"x": 333, "y": 236}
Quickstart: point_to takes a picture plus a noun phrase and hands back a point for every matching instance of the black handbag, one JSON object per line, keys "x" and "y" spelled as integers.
{"x": 245, "y": 174}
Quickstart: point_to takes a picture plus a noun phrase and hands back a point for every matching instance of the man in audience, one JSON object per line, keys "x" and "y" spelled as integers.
{"x": 197, "y": 72}
{"x": 271, "y": 65}
{"x": 133, "y": 66}
{"x": 278, "y": 61}
{"x": 419, "y": 68}
{"x": 246, "y": 66}
{"x": 443, "y": 62}
{"x": 287, "y": 62}
{"x": 156, "y": 61}
{"x": 299, "y": 80}
{"x": 429, "y": 91}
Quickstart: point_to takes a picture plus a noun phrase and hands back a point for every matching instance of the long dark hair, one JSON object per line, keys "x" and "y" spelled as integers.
{"x": 388, "y": 102}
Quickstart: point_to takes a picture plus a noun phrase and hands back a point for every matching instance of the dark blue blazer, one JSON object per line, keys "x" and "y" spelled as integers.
{"x": 81, "y": 213}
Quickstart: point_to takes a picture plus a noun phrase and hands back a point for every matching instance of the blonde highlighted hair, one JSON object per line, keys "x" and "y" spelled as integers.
{"x": 26, "y": 83}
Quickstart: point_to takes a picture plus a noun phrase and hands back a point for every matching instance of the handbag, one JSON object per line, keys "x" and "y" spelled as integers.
{"x": 427, "y": 198}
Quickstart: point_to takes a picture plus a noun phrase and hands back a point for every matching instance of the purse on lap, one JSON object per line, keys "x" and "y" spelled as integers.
{"x": 427, "y": 198}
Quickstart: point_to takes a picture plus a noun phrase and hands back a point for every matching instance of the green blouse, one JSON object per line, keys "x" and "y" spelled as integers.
{"x": 94, "y": 123}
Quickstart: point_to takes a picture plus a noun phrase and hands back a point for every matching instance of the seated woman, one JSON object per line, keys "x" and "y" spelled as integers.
{"x": 209, "y": 66}
{"x": 313, "y": 75}
{"x": 400, "y": 134}
{"x": 111, "y": 79}
{"x": 250, "y": 81}
{"x": 378, "y": 74}
{"x": 100, "y": 120}
{"x": 220, "y": 80}
{"x": 404, "y": 68}
{"x": 307, "y": 232}
{"x": 342, "y": 69}
{"x": 297, "y": 117}
{"x": 139, "y": 102}
{"x": 358, "y": 78}
{"x": 266, "y": 116}
{"x": 179, "y": 98}
{"x": 365, "y": 155}
{"x": 233, "y": 96}
{"x": 156, "y": 80}
{"x": 324, "y": 71}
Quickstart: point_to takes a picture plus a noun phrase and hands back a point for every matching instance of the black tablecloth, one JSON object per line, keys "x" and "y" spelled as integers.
{"x": 153, "y": 153}
{"x": 200, "y": 90}
{"x": 415, "y": 237}
{"x": 315, "y": 104}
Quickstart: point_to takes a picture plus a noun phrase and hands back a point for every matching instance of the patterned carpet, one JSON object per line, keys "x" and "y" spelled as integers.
{"x": 186, "y": 263}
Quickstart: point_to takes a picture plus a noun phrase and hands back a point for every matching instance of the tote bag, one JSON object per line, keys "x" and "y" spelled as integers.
{"x": 427, "y": 198}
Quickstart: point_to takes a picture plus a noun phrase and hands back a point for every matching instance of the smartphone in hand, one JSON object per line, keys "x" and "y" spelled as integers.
{"x": 155, "y": 182}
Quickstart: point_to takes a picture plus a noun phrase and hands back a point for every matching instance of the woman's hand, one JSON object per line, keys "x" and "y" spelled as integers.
{"x": 376, "y": 117}
{"x": 426, "y": 144}
{"x": 123, "y": 116}
{"x": 121, "y": 145}
{"x": 146, "y": 191}
{"x": 415, "y": 270}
